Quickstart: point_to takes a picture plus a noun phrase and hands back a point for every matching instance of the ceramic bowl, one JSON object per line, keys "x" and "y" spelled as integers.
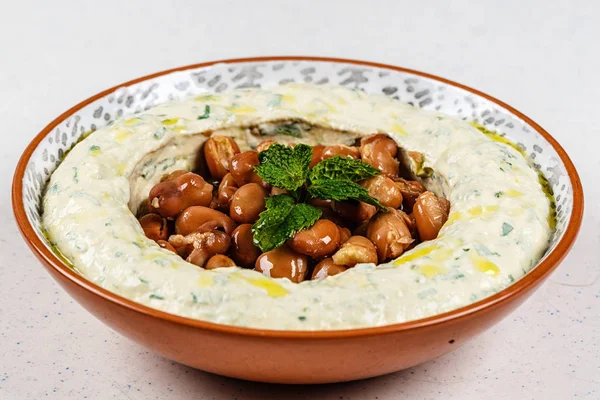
{"x": 295, "y": 356}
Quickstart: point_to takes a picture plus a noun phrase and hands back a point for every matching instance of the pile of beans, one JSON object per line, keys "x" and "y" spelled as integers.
{"x": 207, "y": 220}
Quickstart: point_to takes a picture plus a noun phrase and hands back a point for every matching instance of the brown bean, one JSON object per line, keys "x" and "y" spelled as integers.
{"x": 326, "y": 268}
{"x": 389, "y": 233}
{"x": 227, "y": 189}
{"x": 340, "y": 150}
{"x": 173, "y": 175}
{"x": 155, "y": 227}
{"x": 356, "y": 212}
{"x": 243, "y": 250}
{"x": 344, "y": 234}
{"x": 219, "y": 261}
{"x": 283, "y": 262}
{"x": 242, "y": 169}
{"x": 194, "y": 217}
{"x": 275, "y": 191}
{"x": 317, "y": 155}
{"x": 265, "y": 144}
{"x": 322, "y": 239}
{"x": 198, "y": 247}
{"x": 390, "y": 145}
{"x": 356, "y": 250}
{"x": 247, "y": 203}
{"x": 383, "y": 189}
{"x": 376, "y": 153}
{"x": 166, "y": 245}
{"x": 410, "y": 191}
{"x": 170, "y": 197}
{"x": 218, "y": 152}
{"x": 431, "y": 213}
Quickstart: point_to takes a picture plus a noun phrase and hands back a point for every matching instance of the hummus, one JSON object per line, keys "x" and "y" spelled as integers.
{"x": 497, "y": 230}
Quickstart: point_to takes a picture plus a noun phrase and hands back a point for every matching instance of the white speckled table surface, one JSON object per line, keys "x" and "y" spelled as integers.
{"x": 542, "y": 59}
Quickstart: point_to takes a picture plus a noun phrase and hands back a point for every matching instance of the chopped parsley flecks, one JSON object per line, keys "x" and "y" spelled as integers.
{"x": 194, "y": 297}
{"x": 506, "y": 229}
{"x": 206, "y": 112}
{"x": 157, "y": 297}
{"x": 75, "y": 175}
{"x": 144, "y": 281}
{"x": 499, "y": 194}
{"x": 302, "y": 318}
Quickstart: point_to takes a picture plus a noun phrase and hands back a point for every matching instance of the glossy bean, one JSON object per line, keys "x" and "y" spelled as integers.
{"x": 326, "y": 268}
{"x": 390, "y": 234}
{"x": 194, "y": 217}
{"x": 247, "y": 203}
{"x": 170, "y": 197}
{"x": 218, "y": 152}
{"x": 431, "y": 213}
{"x": 383, "y": 189}
{"x": 155, "y": 227}
{"x": 356, "y": 250}
{"x": 219, "y": 261}
{"x": 283, "y": 262}
{"x": 320, "y": 240}
{"x": 243, "y": 251}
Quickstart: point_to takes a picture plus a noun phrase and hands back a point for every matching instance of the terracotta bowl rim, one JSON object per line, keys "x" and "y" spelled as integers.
{"x": 525, "y": 284}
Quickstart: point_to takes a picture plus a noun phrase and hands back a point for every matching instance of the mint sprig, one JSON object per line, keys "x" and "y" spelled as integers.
{"x": 340, "y": 190}
{"x": 288, "y": 168}
{"x": 339, "y": 167}
{"x": 285, "y": 167}
{"x": 281, "y": 220}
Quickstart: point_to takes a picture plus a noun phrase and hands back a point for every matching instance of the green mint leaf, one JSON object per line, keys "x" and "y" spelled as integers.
{"x": 281, "y": 220}
{"x": 285, "y": 167}
{"x": 342, "y": 168}
{"x": 206, "y": 112}
{"x": 340, "y": 190}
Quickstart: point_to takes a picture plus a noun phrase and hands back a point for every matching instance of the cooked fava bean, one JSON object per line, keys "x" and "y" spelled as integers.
{"x": 198, "y": 247}
{"x": 172, "y": 196}
{"x": 247, "y": 203}
{"x": 174, "y": 175}
{"x": 227, "y": 189}
{"x": 166, "y": 245}
{"x": 326, "y": 268}
{"x": 320, "y": 240}
{"x": 356, "y": 250}
{"x": 219, "y": 261}
{"x": 194, "y": 217}
{"x": 355, "y": 211}
{"x": 265, "y": 144}
{"x": 389, "y": 233}
{"x": 377, "y": 154}
{"x": 154, "y": 226}
{"x": 410, "y": 191}
{"x": 340, "y": 150}
{"x": 243, "y": 251}
{"x": 431, "y": 213}
{"x": 275, "y": 191}
{"x": 283, "y": 262}
{"x": 383, "y": 189}
{"x": 390, "y": 144}
{"x": 218, "y": 152}
{"x": 344, "y": 234}
{"x": 317, "y": 155}
{"x": 242, "y": 169}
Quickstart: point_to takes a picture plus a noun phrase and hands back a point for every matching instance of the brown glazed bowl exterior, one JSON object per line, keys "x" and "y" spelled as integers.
{"x": 295, "y": 356}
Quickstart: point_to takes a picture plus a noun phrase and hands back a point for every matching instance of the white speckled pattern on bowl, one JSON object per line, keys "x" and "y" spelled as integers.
{"x": 405, "y": 86}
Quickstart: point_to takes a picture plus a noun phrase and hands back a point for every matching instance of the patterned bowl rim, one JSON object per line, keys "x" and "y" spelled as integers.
{"x": 521, "y": 287}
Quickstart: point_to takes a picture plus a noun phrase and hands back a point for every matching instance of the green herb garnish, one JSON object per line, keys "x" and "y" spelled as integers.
{"x": 157, "y": 297}
{"x": 285, "y": 167}
{"x": 206, "y": 112}
{"x": 281, "y": 220}
{"x": 506, "y": 229}
{"x": 339, "y": 167}
{"x": 288, "y": 168}
{"x": 340, "y": 190}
